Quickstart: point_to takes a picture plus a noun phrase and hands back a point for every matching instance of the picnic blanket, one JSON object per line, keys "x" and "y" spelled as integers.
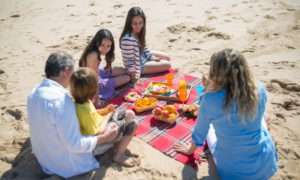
{"x": 159, "y": 134}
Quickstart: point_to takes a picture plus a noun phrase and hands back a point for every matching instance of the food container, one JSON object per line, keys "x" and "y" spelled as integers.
{"x": 167, "y": 120}
{"x": 147, "y": 93}
{"x": 139, "y": 110}
{"x": 140, "y": 94}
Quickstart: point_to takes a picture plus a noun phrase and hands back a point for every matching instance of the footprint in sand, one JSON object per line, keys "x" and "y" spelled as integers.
{"x": 290, "y": 47}
{"x": 234, "y": 5}
{"x": 285, "y": 101}
{"x": 291, "y": 9}
{"x": 92, "y": 14}
{"x": 203, "y": 28}
{"x": 177, "y": 29}
{"x": 266, "y": 9}
{"x": 211, "y": 18}
{"x": 107, "y": 22}
{"x": 247, "y": 20}
{"x": 219, "y": 35}
{"x": 75, "y": 15}
{"x": 15, "y": 16}
{"x": 252, "y": 50}
{"x": 287, "y": 84}
{"x": 208, "y": 12}
{"x": 269, "y": 17}
{"x": 245, "y": 2}
{"x": 118, "y": 6}
{"x": 17, "y": 114}
{"x": 172, "y": 40}
{"x": 296, "y": 27}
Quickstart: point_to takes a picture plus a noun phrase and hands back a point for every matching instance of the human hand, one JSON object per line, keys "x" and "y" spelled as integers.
{"x": 110, "y": 108}
{"x": 184, "y": 148}
{"x": 98, "y": 103}
{"x": 111, "y": 132}
{"x": 159, "y": 59}
{"x": 137, "y": 82}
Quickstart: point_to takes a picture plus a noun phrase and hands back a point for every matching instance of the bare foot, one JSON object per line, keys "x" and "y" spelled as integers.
{"x": 183, "y": 148}
{"x": 124, "y": 160}
{"x": 132, "y": 154}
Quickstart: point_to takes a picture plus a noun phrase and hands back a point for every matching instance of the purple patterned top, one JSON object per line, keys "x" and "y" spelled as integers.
{"x": 107, "y": 83}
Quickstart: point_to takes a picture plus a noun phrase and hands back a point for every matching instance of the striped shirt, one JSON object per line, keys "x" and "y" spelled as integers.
{"x": 131, "y": 54}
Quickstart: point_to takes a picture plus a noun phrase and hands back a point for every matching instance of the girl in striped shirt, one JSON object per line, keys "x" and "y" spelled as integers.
{"x": 109, "y": 77}
{"x": 136, "y": 55}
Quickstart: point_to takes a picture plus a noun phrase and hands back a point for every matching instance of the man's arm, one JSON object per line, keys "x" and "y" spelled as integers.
{"x": 110, "y": 133}
{"x": 68, "y": 129}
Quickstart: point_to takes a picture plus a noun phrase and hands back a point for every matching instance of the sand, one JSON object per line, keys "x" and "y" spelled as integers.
{"x": 266, "y": 31}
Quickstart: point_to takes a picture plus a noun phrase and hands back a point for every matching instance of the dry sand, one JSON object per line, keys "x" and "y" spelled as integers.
{"x": 267, "y": 31}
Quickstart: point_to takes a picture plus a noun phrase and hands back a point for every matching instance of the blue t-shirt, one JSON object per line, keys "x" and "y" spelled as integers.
{"x": 242, "y": 151}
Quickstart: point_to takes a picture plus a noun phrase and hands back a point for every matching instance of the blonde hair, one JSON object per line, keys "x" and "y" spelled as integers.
{"x": 83, "y": 84}
{"x": 229, "y": 70}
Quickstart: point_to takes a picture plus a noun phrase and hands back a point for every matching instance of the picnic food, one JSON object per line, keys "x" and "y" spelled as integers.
{"x": 132, "y": 96}
{"x": 193, "y": 109}
{"x": 145, "y": 102}
{"x": 171, "y": 108}
{"x": 157, "y": 111}
{"x": 172, "y": 115}
{"x": 168, "y": 111}
{"x": 165, "y": 113}
{"x": 159, "y": 89}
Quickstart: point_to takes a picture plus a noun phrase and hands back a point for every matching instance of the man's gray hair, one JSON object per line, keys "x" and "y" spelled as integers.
{"x": 57, "y": 62}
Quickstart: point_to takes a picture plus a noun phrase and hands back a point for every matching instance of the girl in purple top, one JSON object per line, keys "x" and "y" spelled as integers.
{"x": 108, "y": 77}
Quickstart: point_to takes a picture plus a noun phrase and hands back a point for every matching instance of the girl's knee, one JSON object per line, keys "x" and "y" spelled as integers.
{"x": 130, "y": 114}
{"x": 168, "y": 57}
{"x": 136, "y": 123}
{"x": 168, "y": 65}
{"x": 127, "y": 78}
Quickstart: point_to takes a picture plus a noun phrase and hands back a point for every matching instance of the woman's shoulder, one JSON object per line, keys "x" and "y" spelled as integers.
{"x": 260, "y": 85}
{"x": 129, "y": 37}
{"x": 214, "y": 96}
{"x": 262, "y": 89}
{"x": 92, "y": 56}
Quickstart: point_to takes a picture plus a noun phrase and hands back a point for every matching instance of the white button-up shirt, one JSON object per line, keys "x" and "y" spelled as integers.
{"x": 55, "y": 133}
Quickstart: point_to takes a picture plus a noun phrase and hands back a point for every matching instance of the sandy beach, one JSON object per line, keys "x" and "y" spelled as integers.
{"x": 267, "y": 32}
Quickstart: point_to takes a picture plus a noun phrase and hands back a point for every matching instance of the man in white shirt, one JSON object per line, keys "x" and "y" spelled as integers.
{"x": 54, "y": 127}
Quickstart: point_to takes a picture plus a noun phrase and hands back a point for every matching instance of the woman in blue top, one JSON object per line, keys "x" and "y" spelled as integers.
{"x": 231, "y": 118}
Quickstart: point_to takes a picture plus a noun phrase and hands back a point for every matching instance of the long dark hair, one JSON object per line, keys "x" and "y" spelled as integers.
{"x": 94, "y": 45}
{"x": 135, "y": 11}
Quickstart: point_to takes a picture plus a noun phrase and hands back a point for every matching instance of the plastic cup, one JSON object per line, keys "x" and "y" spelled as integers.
{"x": 170, "y": 77}
{"x": 199, "y": 90}
{"x": 183, "y": 94}
{"x": 175, "y": 84}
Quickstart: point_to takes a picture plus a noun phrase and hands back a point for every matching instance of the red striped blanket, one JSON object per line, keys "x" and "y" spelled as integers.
{"x": 159, "y": 134}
